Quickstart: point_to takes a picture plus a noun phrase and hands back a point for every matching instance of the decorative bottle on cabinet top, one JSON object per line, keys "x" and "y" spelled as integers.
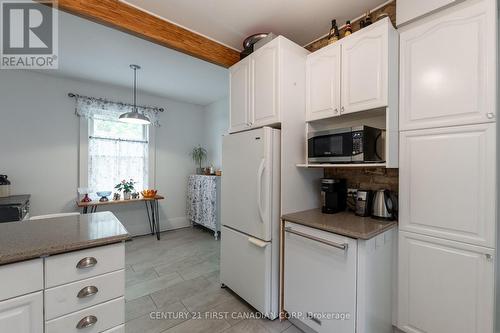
{"x": 334, "y": 34}
{"x": 4, "y": 186}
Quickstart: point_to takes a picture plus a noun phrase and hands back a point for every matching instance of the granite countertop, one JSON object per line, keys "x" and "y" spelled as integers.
{"x": 344, "y": 223}
{"x": 25, "y": 240}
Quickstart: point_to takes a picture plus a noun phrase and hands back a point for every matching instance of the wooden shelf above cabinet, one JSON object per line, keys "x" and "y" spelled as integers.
{"x": 343, "y": 165}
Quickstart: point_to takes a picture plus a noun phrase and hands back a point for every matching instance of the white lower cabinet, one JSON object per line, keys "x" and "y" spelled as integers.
{"x": 334, "y": 283}
{"x": 444, "y": 286}
{"x": 83, "y": 293}
{"x": 22, "y": 314}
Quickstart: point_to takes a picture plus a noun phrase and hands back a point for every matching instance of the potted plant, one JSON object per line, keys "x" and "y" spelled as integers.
{"x": 199, "y": 154}
{"x": 127, "y": 187}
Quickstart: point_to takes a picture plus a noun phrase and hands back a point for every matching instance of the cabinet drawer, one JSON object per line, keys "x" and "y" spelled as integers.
{"x": 71, "y": 297}
{"x": 69, "y": 267}
{"x": 21, "y": 278}
{"x": 117, "y": 329}
{"x": 106, "y": 315}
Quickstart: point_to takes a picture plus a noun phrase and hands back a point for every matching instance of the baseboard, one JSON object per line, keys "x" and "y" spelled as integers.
{"x": 169, "y": 225}
{"x": 176, "y": 223}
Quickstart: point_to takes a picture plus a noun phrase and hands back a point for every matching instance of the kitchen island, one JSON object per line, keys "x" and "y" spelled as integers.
{"x": 63, "y": 274}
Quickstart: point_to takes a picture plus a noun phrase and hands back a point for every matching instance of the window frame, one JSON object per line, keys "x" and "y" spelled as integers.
{"x": 86, "y": 131}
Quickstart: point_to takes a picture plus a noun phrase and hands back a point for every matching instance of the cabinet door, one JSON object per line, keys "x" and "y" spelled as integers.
{"x": 265, "y": 93}
{"x": 407, "y": 10}
{"x": 239, "y": 95}
{"x": 320, "y": 278}
{"x": 22, "y": 314}
{"x": 323, "y": 83}
{"x": 447, "y": 68}
{"x": 447, "y": 183}
{"x": 444, "y": 286}
{"x": 365, "y": 69}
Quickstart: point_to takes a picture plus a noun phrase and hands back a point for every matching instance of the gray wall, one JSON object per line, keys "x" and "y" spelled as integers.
{"x": 39, "y": 144}
{"x": 217, "y": 124}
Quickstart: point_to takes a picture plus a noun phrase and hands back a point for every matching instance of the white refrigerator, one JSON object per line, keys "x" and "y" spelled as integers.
{"x": 250, "y": 213}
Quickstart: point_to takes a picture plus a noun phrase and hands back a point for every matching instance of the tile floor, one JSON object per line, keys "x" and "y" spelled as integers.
{"x": 180, "y": 275}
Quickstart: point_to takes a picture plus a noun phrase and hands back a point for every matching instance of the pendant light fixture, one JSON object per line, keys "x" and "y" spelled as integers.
{"x": 134, "y": 116}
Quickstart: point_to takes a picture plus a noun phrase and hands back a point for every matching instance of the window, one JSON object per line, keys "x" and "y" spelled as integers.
{"x": 117, "y": 151}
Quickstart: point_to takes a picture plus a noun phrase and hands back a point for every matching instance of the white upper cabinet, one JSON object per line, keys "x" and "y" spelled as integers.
{"x": 444, "y": 286}
{"x": 264, "y": 100}
{"x": 239, "y": 78}
{"x": 357, "y": 73}
{"x": 261, "y": 84}
{"x": 447, "y": 179}
{"x": 364, "y": 69}
{"x": 323, "y": 83}
{"x": 407, "y": 10}
{"x": 448, "y": 67}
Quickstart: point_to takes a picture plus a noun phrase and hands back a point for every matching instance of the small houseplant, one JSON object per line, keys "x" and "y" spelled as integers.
{"x": 199, "y": 154}
{"x": 127, "y": 187}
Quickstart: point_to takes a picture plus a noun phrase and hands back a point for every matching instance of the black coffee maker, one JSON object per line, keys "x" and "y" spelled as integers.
{"x": 333, "y": 195}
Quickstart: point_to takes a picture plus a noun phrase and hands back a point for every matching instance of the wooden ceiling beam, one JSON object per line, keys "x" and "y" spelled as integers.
{"x": 129, "y": 19}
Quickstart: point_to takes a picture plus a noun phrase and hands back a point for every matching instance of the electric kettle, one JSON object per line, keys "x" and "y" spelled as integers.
{"x": 385, "y": 205}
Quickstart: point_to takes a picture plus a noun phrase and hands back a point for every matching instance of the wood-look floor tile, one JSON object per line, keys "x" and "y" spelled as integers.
{"x": 148, "y": 287}
{"x": 179, "y": 291}
{"x": 207, "y": 299}
{"x": 133, "y": 277}
{"x": 234, "y": 310}
{"x": 200, "y": 326}
{"x": 139, "y": 307}
{"x": 145, "y": 324}
{"x": 247, "y": 326}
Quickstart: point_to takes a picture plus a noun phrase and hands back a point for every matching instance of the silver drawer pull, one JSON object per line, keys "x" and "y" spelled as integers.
{"x": 87, "y": 292}
{"x": 342, "y": 246}
{"x": 86, "y": 322}
{"x": 87, "y": 262}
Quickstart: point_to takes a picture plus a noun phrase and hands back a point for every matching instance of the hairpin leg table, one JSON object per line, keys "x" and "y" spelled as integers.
{"x": 152, "y": 210}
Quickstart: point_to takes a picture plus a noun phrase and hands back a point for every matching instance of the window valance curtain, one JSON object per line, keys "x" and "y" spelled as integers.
{"x": 99, "y": 108}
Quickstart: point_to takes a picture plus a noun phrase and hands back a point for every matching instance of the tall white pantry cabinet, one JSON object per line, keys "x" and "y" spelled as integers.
{"x": 448, "y": 170}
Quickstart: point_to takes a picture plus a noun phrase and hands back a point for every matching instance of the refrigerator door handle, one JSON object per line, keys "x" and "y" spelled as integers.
{"x": 257, "y": 242}
{"x": 260, "y": 173}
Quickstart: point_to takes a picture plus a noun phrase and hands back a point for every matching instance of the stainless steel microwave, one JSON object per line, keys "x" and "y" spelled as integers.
{"x": 361, "y": 144}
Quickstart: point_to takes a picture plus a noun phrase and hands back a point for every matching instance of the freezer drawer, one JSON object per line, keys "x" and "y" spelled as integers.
{"x": 246, "y": 268}
{"x": 320, "y": 279}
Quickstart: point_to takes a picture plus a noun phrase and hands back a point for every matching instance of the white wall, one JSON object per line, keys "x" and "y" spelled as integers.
{"x": 39, "y": 142}
{"x": 216, "y": 125}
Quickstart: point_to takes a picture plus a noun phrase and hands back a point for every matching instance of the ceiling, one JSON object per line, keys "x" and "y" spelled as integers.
{"x": 230, "y": 21}
{"x": 90, "y": 51}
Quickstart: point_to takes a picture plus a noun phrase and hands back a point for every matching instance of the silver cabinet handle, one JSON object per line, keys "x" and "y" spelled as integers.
{"x": 342, "y": 246}
{"x": 87, "y": 292}
{"x": 342, "y": 109}
{"x": 490, "y": 115}
{"x": 336, "y": 110}
{"x": 87, "y": 262}
{"x": 86, "y": 322}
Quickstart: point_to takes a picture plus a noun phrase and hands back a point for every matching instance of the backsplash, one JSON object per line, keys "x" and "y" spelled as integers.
{"x": 367, "y": 178}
